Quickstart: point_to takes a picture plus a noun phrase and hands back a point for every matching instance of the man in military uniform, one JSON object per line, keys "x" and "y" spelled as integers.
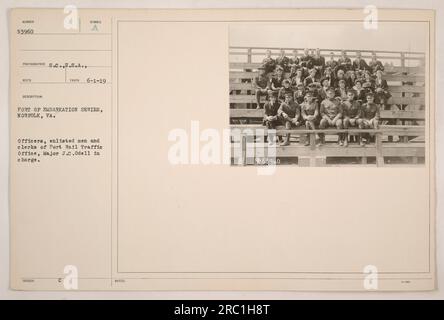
{"x": 262, "y": 85}
{"x": 271, "y": 108}
{"x": 359, "y": 63}
{"x": 331, "y": 115}
{"x": 369, "y": 82}
{"x": 318, "y": 62}
{"x": 277, "y": 80}
{"x": 269, "y": 64}
{"x": 360, "y": 91}
{"x": 286, "y": 88}
{"x": 298, "y": 77}
{"x": 293, "y": 70}
{"x": 307, "y": 59}
{"x": 311, "y": 77}
{"x": 329, "y": 75}
{"x": 283, "y": 61}
{"x": 344, "y": 62}
{"x": 309, "y": 114}
{"x": 341, "y": 90}
{"x": 289, "y": 114}
{"x": 375, "y": 64}
{"x": 351, "y": 113}
{"x": 340, "y": 76}
{"x": 370, "y": 115}
{"x": 325, "y": 85}
{"x": 382, "y": 93}
{"x": 295, "y": 61}
{"x": 332, "y": 63}
{"x": 299, "y": 93}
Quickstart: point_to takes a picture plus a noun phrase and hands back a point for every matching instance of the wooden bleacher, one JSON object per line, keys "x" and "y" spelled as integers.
{"x": 399, "y": 140}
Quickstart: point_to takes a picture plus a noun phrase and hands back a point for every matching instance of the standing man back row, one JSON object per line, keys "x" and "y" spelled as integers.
{"x": 315, "y": 60}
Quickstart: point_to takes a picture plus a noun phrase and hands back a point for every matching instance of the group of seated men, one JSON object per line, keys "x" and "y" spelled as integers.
{"x": 309, "y": 91}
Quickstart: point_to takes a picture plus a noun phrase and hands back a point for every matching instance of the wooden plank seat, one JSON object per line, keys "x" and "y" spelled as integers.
{"x": 245, "y": 143}
{"x": 353, "y": 150}
{"x": 385, "y": 114}
{"x": 392, "y": 88}
{"x": 250, "y": 75}
{"x": 399, "y": 57}
{"x": 251, "y": 98}
{"x": 356, "y": 153}
{"x": 241, "y": 66}
{"x": 385, "y": 130}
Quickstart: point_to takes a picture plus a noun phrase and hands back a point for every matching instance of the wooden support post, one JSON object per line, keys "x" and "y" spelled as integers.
{"x": 364, "y": 160}
{"x": 312, "y": 161}
{"x": 405, "y": 139}
{"x": 320, "y": 161}
{"x": 312, "y": 141}
{"x": 378, "y": 145}
{"x": 402, "y": 59}
{"x": 244, "y": 149}
{"x": 304, "y": 161}
{"x": 249, "y": 55}
{"x": 309, "y": 160}
{"x": 312, "y": 146}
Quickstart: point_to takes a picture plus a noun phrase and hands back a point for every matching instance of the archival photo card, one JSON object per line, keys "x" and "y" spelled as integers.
{"x": 226, "y": 149}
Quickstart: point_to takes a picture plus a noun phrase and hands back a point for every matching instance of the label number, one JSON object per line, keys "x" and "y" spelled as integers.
{"x": 25, "y": 31}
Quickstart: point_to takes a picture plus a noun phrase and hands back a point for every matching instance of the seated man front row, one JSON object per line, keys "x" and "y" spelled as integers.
{"x": 332, "y": 113}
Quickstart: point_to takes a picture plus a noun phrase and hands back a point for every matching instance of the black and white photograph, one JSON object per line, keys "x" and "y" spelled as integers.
{"x": 328, "y": 93}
